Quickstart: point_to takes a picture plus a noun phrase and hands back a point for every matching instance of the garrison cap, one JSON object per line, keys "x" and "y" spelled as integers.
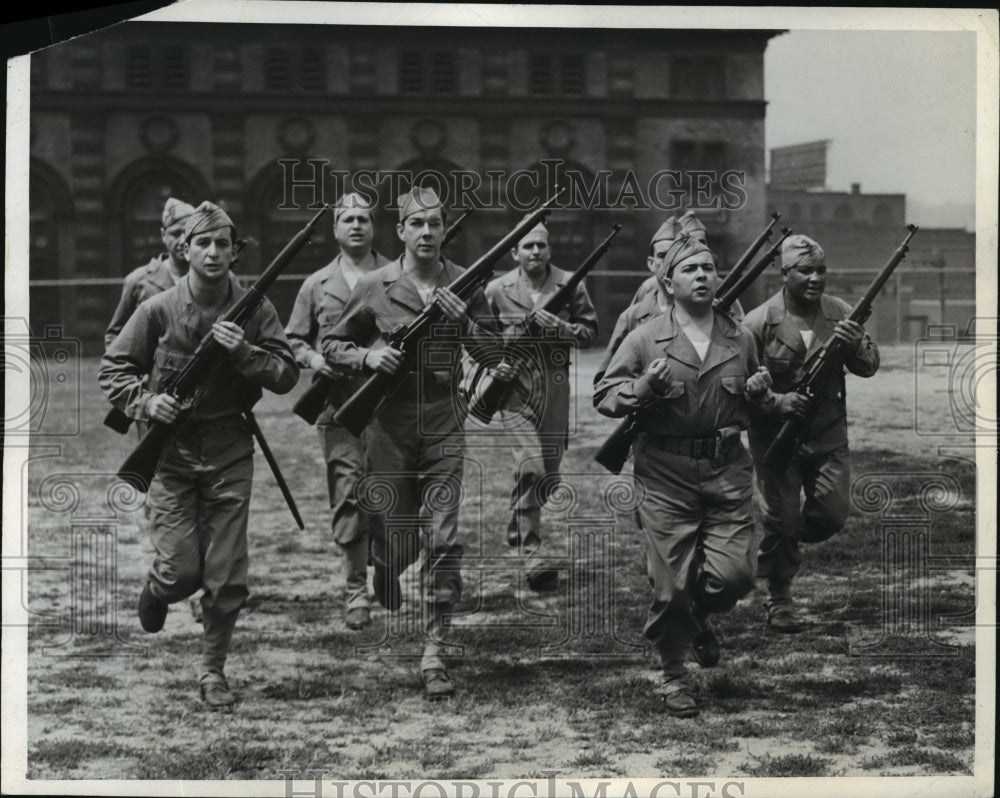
{"x": 352, "y": 201}
{"x": 207, "y": 217}
{"x": 538, "y": 228}
{"x": 800, "y": 250}
{"x": 416, "y": 200}
{"x": 693, "y": 226}
{"x": 174, "y": 211}
{"x": 667, "y": 231}
{"x": 681, "y": 249}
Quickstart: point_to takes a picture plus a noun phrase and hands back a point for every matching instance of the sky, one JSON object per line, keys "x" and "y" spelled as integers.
{"x": 899, "y": 108}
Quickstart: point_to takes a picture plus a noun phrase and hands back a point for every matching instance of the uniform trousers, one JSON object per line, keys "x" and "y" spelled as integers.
{"x": 200, "y": 506}
{"x": 788, "y": 520}
{"x": 414, "y": 454}
{"x": 700, "y": 542}
{"x": 343, "y": 455}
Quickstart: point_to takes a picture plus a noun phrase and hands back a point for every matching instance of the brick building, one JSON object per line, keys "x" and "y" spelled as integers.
{"x": 859, "y": 232}
{"x": 259, "y": 117}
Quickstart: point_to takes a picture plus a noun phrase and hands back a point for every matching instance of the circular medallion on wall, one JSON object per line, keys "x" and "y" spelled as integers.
{"x": 557, "y": 137}
{"x": 158, "y": 133}
{"x": 428, "y": 137}
{"x": 296, "y": 135}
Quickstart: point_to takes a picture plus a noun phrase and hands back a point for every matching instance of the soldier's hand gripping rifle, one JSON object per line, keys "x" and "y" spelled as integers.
{"x": 826, "y": 362}
{"x": 614, "y": 451}
{"x": 310, "y": 404}
{"x": 187, "y": 385}
{"x": 357, "y": 412}
{"x": 493, "y": 392}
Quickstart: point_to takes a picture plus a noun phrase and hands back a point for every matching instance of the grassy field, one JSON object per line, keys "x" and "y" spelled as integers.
{"x": 881, "y": 683}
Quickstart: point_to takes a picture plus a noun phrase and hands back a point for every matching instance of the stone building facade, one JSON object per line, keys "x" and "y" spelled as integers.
{"x": 268, "y": 121}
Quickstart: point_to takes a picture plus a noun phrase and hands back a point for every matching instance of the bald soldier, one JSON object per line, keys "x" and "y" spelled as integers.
{"x": 690, "y": 375}
{"x": 536, "y": 416}
{"x": 809, "y": 501}
{"x": 416, "y": 441}
{"x": 200, "y": 495}
{"x": 162, "y": 272}
{"x": 318, "y": 307}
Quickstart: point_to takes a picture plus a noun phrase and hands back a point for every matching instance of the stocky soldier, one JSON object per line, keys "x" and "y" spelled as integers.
{"x": 536, "y": 417}
{"x": 688, "y": 223}
{"x": 162, "y": 272}
{"x": 318, "y": 307}
{"x": 415, "y": 442}
{"x": 200, "y": 496}
{"x": 696, "y": 371}
{"x": 787, "y": 329}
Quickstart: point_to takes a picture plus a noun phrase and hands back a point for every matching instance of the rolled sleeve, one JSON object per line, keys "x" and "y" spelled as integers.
{"x": 268, "y": 361}
{"x": 624, "y": 389}
{"x": 302, "y": 328}
{"x": 126, "y": 362}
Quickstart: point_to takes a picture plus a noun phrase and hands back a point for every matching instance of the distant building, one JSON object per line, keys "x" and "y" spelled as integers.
{"x": 123, "y": 118}
{"x": 859, "y": 233}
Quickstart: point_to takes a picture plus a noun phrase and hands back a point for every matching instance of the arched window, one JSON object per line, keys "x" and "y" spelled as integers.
{"x": 815, "y": 211}
{"x": 883, "y": 216}
{"x": 795, "y": 212}
{"x": 269, "y": 224}
{"x": 135, "y": 208}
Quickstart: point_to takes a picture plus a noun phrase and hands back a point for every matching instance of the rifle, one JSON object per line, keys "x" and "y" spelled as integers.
{"x": 187, "y": 385}
{"x": 258, "y": 433}
{"x": 614, "y": 451}
{"x": 747, "y": 256}
{"x": 116, "y": 419}
{"x": 824, "y": 363}
{"x": 495, "y": 391}
{"x": 311, "y": 403}
{"x": 356, "y": 413}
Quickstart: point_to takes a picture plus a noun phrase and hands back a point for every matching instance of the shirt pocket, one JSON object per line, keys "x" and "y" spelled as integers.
{"x": 734, "y": 385}
{"x": 676, "y": 390}
{"x": 167, "y": 364}
{"x": 777, "y": 365}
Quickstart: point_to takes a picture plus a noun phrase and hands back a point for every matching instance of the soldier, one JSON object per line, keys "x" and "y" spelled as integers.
{"x": 698, "y": 368}
{"x": 200, "y": 496}
{"x": 648, "y": 304}
{"x": 416, "y": 440}
{"x": 787, "y": 329}
{"x": 688, "y": 223}
{"x": 161, "y": 273}
{"x": 536, "y": 416}
{"x": 320, "y": 302}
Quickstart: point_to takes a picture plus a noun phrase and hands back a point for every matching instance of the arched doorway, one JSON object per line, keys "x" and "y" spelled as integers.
{"x": 135, "y": 208}
{"x": 270, "y": 224}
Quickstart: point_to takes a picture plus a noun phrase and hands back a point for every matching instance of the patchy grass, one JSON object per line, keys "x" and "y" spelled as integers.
{"x": 561, "y": 681}
{"x": 789, "y": 765}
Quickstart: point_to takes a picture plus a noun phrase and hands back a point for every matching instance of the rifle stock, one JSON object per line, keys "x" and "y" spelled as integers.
{"x": 614, "y": 451}
{"x": 313, "y": 400}
{"x": 186, "y": 385}
{"x": 357, "y": 412}
{"x": 495, "y": 392}
{"x": 824, "y": 363}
